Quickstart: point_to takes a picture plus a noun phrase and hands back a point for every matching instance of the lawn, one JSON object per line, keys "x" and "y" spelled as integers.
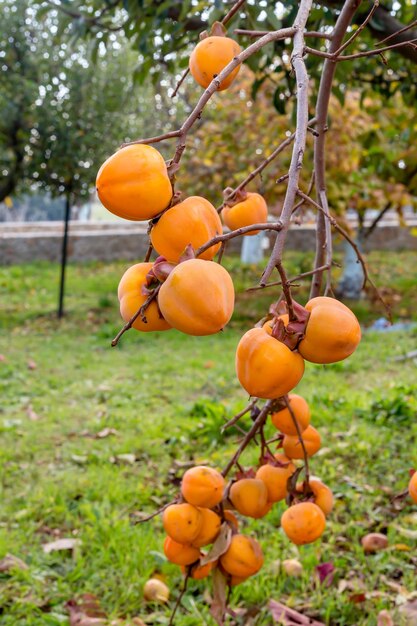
{"x": 94, "y": 436}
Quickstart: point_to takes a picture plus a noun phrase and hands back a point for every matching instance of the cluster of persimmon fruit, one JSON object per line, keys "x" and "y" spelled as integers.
{"x": 184, "y": 289}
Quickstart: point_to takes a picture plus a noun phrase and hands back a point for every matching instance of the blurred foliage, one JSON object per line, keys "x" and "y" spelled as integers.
{"x": 371, "y": 151}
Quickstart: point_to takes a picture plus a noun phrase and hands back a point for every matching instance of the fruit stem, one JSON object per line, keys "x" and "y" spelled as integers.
{"x": 300, "y": 437}
{"x": 286, "y": 288}
{"x": 134, "y": 317}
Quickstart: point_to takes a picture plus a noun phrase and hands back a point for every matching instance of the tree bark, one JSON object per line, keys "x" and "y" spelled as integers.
{"x": 64, "y": 255}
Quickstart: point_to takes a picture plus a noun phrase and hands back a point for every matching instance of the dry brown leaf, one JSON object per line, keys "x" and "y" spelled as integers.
{"x": 86, "y": 611}
{"x": 123, "y": 459}
{"x": 288, "y": 617}
{"x": 106, "y": 432}
{"x": 31, "y": 365}
{"x": 218, "y": 604}
{"x": 10, "y": 562}
{"x": 220, "y": 546}
{"x": 32, "y": 415}
{"x": 68, "y": 543}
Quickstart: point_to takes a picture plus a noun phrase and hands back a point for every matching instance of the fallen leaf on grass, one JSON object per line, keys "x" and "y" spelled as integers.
{"x": 86, "y": 612}
{"x": 61, "y": 545}
{"x": 123, "y": 459}
{"x": 288, "y": 617}
{"x": 325, "y": 573}
{"x": 384, "y": 619}
{"x": 411, "y": 534}
{"x": 357, "y": 598}
{"x": 106, "y": 432}
{"x": 2, "y": 358}
{"x": 31, "y": 365}
{"x": 32, "y": 415}
{"x": 409, "y": 612}
{"x": 10, "y": 562}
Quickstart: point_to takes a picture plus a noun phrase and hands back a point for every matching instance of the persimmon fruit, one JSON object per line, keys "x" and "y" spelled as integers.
{"x": 252, "y": 210}
{"x": 198, "y": 572}
{"x": 209, "y": 530}
{"x": 265, "y": 367}
{"x": 230, "y": 517}
{"x": 198, "y": 297}
{"x": 249, "y": 497}
{"x": 182, "y": 522}
{"x": 179, "y": 553}
{"x": 210, "y": 57}
{"x": 332, "y": 332}
{"x": 303, "y": 523}
{"x": 275, "y": 479}
{"x": 243, "y": 558}
{"x": 293, "y": 448}
{"x": 193, "y": 221}
{"x": 131, "y": 299}
{"x": 202, "y": 486}
{"x": 323, "y": 496}
{"x": 282, "y": 420}
{"x": 412, "y": 487}
{"x": 134, "y": 184}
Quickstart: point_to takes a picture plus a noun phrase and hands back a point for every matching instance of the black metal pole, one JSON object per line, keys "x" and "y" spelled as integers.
{"x": 64, "y": 254}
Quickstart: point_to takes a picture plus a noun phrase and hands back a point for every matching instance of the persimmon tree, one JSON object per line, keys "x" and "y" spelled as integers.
{"x": 186, "y": 289}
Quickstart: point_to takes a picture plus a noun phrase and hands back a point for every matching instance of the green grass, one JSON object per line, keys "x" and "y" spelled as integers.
{"x": 166, "y": 395}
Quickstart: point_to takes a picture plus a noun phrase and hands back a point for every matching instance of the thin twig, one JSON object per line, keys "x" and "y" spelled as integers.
{"x": 260, "y": 420}
{"x": 152, "y": 515}
{"x": 286, "y": 288}
{"x": 139, "y": 312}
{"x": 300, "y": 437}
{"x": 397, "y": 32}
{"x": 180, "y": 597}
{"x": 237, "y": 417}
{"x": 359, "y": 55}
{"x": 261, "y": 33}
{"x": 221, "y": 252}
{"x": 309, "y": 190}
{"x": 148, "y": 253}
{"x": 237, "y": 233}
{"x": 290, "y": 280}
{"x": 180, "y": 82}
{"x": 359, "y": 29}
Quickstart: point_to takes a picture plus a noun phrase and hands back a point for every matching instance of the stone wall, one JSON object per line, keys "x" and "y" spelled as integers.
{"x": 109, "y": 241}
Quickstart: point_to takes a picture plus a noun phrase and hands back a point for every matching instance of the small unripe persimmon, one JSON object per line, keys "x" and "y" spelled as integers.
{"x": 243, "y": 558}
{"x": 179, "y": 553}
{"x": 182, "y": 522}
{"x": 209, "y": 530}
{"x": 203, "y": 486}
{"x": 293, "y": 448}
{"x": 303, "y": 523}
{"x": 283, "y": 421}
{"x": 249, "y": 496}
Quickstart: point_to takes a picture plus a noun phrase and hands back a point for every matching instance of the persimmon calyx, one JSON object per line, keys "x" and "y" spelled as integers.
{"x": 292, "y": 333}
{"x": 249, "y": 473}
{"x": 188, "y": 254}
{"x": 231, "y": 198}
{"x": 218, "y": 30}
{"x": 159, "y": 272}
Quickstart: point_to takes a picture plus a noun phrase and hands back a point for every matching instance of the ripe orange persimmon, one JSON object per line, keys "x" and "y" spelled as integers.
{"x": 303, "y": 523}
{"x": 249, "y": 497}
{"x": 197, "y": 297}
{"x": 198, "y": 572}
{"x": 332, "y": 333}
{"x": 252, "y": 210}
{"x": 182, "y": 522}
{"x": 131, "y": 298}
{"x": 275, "y": 479}
{"x": 293, "y": 448}
{"x": 133, "y": 183}
{"x": 209, "y": 528}
{"x": 266, "y": 368}
{"x": 243, "y": 558}
{"x": 412, "y": 487}
{"x": 282, "y": 420}
{"x": 202, "y": 486}
{"x": 323, "y": 496}
{"x": 193, "y": 221}
{"x": 210, "y": 57}
{"x": 237, "y": 580}
{"x": 179, "y": 553}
